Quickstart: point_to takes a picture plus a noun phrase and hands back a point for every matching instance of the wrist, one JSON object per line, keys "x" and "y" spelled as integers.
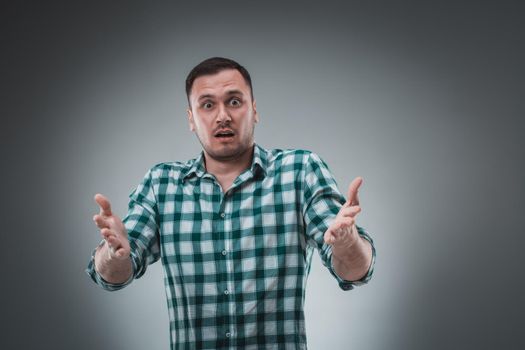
{"x": 111, "y": 268}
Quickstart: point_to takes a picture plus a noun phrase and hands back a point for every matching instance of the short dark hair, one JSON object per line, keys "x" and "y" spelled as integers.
{"x": 212, "y": 66}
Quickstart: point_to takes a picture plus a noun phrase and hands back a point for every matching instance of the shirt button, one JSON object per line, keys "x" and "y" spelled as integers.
{"x": 223, "y": 215}
{"x": 226, "y": 292}
{"x": 228, "y": 334}
{"x": 224, "y": 252}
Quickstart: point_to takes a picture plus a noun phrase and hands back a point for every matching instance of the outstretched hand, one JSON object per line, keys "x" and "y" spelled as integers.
{"x": 343, "y": 232}
{"x": 112, "y": 229}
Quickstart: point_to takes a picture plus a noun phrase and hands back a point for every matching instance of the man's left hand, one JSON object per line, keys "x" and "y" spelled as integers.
{"x": 342, "y": 233}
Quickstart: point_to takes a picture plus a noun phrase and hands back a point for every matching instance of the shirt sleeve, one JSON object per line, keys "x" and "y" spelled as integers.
{"x": 322, "y": 202}
{"x": 142, "y": 224}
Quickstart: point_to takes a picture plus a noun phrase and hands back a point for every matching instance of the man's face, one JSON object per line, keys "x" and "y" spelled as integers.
{"x": 222, "y": 114}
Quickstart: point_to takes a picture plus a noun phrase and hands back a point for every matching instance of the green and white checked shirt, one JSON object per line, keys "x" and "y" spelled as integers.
{"x": 235, "y": 263}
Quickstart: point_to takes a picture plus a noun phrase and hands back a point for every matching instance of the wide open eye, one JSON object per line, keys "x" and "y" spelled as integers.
{"x": 207, "y": 105}
{"x": 235, "y": 102}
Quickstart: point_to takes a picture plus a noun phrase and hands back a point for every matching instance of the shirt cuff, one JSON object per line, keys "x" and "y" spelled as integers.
{"x": 98, "y": 279}
{"x": 349, "y": 285}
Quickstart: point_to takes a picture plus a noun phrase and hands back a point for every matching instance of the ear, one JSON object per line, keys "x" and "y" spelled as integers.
{"x": 256, "y": 115}
{"x": 190, "y": 120}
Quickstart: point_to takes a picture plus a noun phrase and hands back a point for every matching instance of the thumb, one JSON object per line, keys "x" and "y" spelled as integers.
{"x": 353, "y": 197}
{"x": 103, "y": 203}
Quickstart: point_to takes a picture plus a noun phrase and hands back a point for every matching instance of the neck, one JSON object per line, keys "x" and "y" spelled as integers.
{"x": 231, "y": 167}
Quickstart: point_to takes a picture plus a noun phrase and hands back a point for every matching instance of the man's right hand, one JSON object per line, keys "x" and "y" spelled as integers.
{"x": 112, "y": 230}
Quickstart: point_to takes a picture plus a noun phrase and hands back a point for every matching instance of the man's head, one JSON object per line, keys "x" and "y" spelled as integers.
{"x": 212, "y": 66}
{"x": 221, "y": 108}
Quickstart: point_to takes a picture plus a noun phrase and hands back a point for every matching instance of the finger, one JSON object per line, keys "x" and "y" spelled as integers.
{"x": 329, "y": 237}
{"x": 121, "y": 253}
{"x": 113, "y": 243}
{"x": 107, "y": 233}
{"x": 338, "y": 229}
{"x": 103, "y": 203}
{"x": 350, "y": 211}
{"x": 353, "y": 198}
{"x": 344, "y": 225}
{"x": 100, "y": 222}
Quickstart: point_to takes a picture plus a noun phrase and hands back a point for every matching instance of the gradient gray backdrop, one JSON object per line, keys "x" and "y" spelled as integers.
{"x": 422, "y": 99}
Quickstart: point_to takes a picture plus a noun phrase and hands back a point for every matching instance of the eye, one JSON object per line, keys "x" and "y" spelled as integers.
{"x": 207, "y": 105}
{"x": 235, "y": 102}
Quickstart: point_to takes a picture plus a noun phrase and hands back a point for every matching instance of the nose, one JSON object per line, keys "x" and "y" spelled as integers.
{"x": 222, "y": 115}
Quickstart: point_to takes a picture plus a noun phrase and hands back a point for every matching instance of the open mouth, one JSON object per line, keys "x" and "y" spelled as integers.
{"x": 224, "y": 134}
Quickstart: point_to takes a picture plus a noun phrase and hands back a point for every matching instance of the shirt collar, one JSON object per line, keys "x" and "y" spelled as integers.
{"x": 195, "y": 167}
{"x": 259, "y": 161}
{"x": 259, "y": 164}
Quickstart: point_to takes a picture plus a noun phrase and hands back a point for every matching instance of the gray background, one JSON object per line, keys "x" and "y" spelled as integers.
{"x": 422, "y": 99}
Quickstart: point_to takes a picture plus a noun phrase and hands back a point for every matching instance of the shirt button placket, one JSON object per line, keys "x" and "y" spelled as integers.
{"x": 227, "y": 291}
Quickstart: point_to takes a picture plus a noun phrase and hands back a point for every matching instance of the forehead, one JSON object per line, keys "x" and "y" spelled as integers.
{"x": 219, "y": 83}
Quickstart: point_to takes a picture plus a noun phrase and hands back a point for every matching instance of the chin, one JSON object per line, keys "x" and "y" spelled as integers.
{"x": 226, "y": 151}
{"x": 225, "y": 154}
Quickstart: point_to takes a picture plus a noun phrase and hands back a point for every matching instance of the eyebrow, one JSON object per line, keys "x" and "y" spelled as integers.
{"x": 229, "y": 93}
{"x": 234, "y": 92}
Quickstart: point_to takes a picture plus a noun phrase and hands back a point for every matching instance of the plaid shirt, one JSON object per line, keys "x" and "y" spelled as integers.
{"x": 235, "y": 263}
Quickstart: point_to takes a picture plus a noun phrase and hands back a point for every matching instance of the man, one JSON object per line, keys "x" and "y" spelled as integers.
{"x": 235, "y": 228}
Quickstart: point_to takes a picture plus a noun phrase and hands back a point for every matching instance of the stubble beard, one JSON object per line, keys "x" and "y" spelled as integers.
{"x": 231, "y": 152}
